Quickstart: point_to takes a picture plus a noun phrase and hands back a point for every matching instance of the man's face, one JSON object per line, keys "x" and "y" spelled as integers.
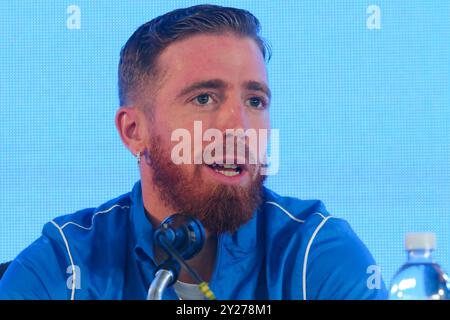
{"x": 220, "y": 80}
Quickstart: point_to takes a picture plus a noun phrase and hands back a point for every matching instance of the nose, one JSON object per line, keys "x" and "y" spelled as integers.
{"x": 232, "y": 115}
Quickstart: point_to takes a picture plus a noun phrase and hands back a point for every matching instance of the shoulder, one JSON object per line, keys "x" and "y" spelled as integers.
{"x": 88, "y": 219}
{"x": 338, "y": 265}
{"x": 331, "y": 261}
{"x": 77, "y": 235}
{"x": 292, "y": 210}
{"x": 44, "y": 270}
{"x": 308, "y": 218}
{"x": 292, "y": 217}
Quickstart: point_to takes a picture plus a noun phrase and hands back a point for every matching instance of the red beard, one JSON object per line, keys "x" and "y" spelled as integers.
{"x": 221, "y": 208}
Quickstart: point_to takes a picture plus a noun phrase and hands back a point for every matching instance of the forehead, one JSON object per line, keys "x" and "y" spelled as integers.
{"x": 208, "y": 56}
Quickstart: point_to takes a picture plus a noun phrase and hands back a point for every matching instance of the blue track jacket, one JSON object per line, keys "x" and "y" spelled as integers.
{"x": 290, "y": 249}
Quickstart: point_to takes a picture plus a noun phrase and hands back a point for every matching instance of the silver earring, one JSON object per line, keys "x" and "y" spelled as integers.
{"x": 138, "y": 157}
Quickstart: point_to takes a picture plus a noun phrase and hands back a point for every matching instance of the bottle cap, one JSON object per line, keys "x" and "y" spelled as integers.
{"x": 420, "y": 241}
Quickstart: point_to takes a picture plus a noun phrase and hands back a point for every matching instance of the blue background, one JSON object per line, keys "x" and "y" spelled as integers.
{"x": 364, "y": 114}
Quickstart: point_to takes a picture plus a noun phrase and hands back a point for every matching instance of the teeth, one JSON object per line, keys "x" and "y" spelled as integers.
{"x": 230, "y": 166}
{"x": 227, "y": 173}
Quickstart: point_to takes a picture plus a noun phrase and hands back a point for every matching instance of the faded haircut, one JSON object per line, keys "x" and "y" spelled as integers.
{"x": 138, "y": 57}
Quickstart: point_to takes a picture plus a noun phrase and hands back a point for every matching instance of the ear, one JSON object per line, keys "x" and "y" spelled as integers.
{"x": 131, "y": 124}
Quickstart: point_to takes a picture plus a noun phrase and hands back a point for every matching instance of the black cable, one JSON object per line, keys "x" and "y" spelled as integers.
{"x": 202, "y": 285}
{"x": 171, "y": 251}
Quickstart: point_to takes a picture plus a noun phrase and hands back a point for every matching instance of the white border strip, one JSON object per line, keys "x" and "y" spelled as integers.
{"x": 60, "y": 229}
{"x": 285, "y": 211}
{"x": 93, "y": 216}
{"x": 305, "y": 261}
{"x": 74, "y": 274}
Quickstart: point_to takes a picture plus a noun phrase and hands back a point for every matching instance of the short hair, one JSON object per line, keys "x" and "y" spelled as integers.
{"x": 138, "y": 57}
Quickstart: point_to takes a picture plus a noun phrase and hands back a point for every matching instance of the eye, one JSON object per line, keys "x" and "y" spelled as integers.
{"x": 257, "y": 103}
{"x": 203, "y": 99}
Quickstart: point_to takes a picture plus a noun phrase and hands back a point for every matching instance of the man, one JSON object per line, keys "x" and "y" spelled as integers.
{"x": 200, "y": 64}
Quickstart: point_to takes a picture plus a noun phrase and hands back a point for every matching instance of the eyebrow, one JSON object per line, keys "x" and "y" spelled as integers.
{"x": 258, "y": 86}
{"x": 220, "y": 84}
{"x": 208, "y": 84}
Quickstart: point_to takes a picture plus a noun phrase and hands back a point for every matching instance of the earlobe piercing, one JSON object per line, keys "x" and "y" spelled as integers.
{"x": 138, "y": 157}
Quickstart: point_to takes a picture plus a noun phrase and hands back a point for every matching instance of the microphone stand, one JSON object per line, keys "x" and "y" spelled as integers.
{"x": 165, "y": 276}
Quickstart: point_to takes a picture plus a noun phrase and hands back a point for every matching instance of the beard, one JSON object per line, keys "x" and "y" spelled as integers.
{"x": 221, "y": 208}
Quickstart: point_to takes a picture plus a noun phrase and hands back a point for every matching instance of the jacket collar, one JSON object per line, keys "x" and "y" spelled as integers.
{"x": 242, "y": 242}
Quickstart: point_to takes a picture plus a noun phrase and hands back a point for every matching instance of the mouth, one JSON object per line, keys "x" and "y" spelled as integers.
{"x": 228, "y": 170}
{"x": 228, "y": 173}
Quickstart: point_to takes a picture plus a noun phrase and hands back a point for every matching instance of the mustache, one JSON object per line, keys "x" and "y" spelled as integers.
{"x": 238, "y": 152}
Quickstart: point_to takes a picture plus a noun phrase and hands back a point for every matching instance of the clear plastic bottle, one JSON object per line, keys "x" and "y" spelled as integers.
{"x": 420, "y": 278}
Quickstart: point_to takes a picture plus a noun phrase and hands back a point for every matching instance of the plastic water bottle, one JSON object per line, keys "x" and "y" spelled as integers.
{"x": 420, "y": 278}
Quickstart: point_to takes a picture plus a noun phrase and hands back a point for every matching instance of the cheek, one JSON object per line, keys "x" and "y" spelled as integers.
{"x": 260, "y": 121}
{"x": 162, "y": 127}
{"x": 191, "y": 174}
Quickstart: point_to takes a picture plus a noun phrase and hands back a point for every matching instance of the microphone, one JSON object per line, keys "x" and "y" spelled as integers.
{"x": 181, "y": 236}
{"x": 181, "y": 232}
